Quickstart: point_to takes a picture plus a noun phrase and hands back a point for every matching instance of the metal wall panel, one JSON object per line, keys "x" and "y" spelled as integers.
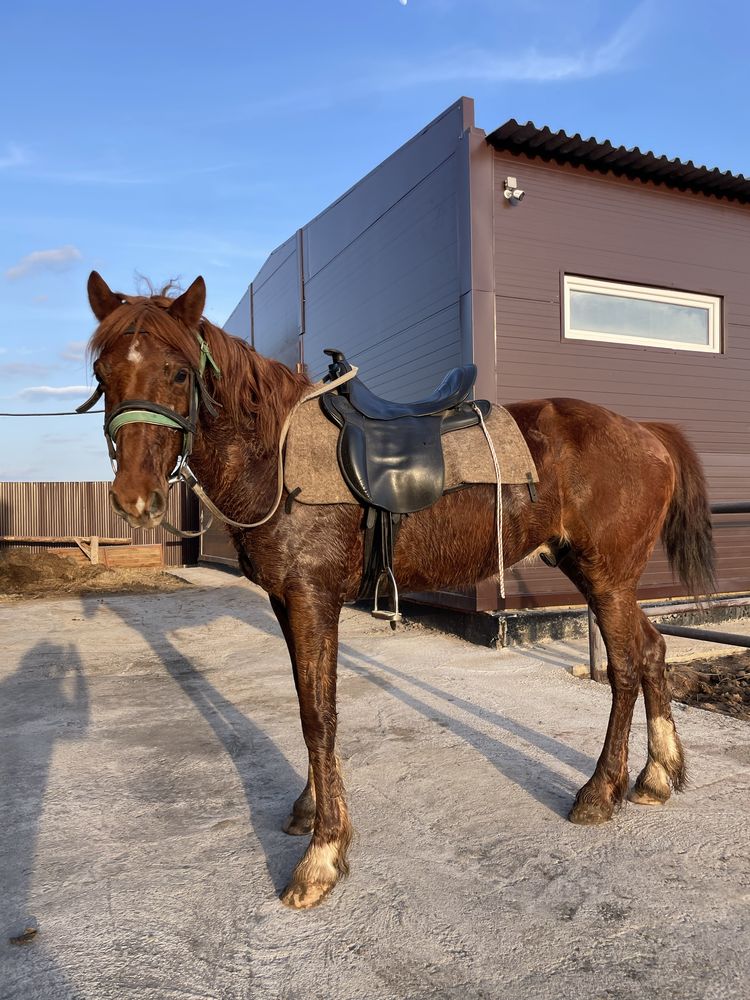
{"x": 380, "y": 270}
{"x": 57, "y": 509}
{"x": 572, "y": 221}
{"x": 238, "y": 323}
{"x": 276, "y": 305}
{"x": 390, "y": 299}
{"x": 382, "y": 265}
{"x": 369, "y": 199}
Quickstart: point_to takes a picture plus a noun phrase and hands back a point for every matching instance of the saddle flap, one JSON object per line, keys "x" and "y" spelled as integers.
{"x": 396, "y": 469}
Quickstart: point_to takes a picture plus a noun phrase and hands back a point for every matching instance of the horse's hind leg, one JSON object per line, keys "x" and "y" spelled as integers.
{"x": 301, "y": 820}
{"x": 617, "y": 615}
{"x": 665, "y": 767}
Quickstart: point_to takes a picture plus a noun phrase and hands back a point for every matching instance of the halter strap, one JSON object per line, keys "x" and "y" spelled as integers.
{"x": 134, "y": 411}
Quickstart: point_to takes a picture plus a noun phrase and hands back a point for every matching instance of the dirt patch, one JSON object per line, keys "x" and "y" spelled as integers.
{"x": 720, "y": 684}
{"x": 26, "y": 574}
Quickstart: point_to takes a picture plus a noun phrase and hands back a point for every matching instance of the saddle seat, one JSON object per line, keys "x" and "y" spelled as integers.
{"x": 453, "y": 390}
{"x": 391, "y": 454}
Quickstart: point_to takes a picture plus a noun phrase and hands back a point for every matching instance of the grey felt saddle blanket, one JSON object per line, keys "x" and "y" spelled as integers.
{"x": 311, "y": 465}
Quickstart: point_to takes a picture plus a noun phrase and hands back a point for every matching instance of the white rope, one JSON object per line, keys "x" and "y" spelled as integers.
{"x": 498, "y": 504}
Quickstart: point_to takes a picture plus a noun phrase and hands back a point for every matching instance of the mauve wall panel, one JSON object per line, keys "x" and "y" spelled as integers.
{"x": 217, "y": 546}
{"x": 572, "y": 221}
{"x": 77, "y": 508}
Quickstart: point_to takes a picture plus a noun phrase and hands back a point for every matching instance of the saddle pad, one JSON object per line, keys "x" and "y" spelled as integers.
{"x": 310, "y": 462}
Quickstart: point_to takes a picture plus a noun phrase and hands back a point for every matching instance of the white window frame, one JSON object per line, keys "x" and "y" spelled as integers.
{"x": 600, "y": 286}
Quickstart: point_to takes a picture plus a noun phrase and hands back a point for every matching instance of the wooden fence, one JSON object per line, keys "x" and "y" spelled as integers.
{"x": 82, "y": 509}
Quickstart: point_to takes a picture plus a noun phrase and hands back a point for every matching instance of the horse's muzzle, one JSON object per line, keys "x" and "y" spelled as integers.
{"x": 139, "y": 512}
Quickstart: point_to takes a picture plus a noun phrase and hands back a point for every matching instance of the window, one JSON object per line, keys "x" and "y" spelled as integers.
{"x": 637, "y": 314}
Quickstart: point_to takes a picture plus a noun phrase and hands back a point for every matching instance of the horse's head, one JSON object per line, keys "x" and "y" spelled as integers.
{"x": 149, "y": 364}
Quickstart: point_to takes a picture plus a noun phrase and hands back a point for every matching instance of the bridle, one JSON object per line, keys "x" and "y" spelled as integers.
{"x": 144, "y": 411}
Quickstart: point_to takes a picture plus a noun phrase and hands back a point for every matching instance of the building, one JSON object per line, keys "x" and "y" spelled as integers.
{"x": 561, "y": 267}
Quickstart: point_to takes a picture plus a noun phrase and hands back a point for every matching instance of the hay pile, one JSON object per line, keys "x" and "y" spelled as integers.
{"x": 719, "y": 684}
{"x": 25, "y": 574}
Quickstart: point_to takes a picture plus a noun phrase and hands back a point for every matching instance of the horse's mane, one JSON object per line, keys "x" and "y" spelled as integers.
{"x": 251, "y": 385}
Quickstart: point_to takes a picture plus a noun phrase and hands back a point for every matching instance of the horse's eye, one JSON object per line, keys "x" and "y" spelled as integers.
{"x": 181, "y": 375}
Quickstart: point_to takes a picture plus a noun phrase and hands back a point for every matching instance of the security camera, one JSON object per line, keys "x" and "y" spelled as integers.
{"x": 512, "y": 192}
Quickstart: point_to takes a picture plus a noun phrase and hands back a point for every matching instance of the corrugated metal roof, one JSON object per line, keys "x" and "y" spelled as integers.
{"x": 603, "y": 157}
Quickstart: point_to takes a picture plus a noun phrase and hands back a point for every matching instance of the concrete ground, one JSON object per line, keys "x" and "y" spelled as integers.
{"x": 150, "y": 749}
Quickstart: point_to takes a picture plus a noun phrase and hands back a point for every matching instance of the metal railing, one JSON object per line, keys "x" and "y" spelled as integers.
{"x": 597, "y": 652}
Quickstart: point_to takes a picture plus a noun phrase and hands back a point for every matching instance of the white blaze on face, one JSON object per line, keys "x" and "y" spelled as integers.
{"x": 134, "y": 354}
{"x": 140, "y": 505}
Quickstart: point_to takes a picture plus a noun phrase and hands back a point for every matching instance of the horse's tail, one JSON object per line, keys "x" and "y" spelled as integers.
{"x": 686, "y": 533}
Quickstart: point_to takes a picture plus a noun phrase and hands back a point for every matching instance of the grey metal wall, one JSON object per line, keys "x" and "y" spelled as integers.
{"x": 276, "y": 305}
{"x": 384, "y": 274}
{"x": 56, "y": 509}
{"x": 239, "y": 323}
{"x": 380, "y": 270}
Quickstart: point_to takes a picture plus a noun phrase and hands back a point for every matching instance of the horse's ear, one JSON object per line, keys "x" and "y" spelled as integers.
{"x": 189, "y": 306}
{"x": 102, "y": 299}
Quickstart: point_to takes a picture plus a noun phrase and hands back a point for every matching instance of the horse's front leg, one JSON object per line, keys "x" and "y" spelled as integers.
{"x": 301, "y": 820}
{"x": 312, "y": 619}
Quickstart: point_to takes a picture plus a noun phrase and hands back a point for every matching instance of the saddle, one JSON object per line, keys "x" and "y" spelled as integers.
{"x": 391, "y": 457}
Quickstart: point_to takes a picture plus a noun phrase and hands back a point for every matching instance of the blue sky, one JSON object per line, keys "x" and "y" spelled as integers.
{"x": 172, "y": 139}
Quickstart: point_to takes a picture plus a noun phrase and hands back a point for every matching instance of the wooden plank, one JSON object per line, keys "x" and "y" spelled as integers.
{"x": 133, "y": 557}
{"x": 64, "y": 539}
{"x": 68, "y": 553}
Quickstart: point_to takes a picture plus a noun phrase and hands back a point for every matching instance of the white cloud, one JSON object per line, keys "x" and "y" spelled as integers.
{"x": 15, "y": 156}
{"x": 58, "y": 259}
{"x": 74, "y": 350}
{"x": 54, "y": 391}
{"x": 532, "y": 66}
{"x": 14, "y": 369}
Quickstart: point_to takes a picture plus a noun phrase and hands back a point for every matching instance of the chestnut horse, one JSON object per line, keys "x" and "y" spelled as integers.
{"x": 608, "y": 487}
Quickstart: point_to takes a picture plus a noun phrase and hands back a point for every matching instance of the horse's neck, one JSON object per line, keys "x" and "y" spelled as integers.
{"x": 234, "y": 474}
{"x": 238, "y": 472}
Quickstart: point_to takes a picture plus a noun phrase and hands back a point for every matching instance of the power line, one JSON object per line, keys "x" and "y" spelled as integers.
{"x": 64, "y": 413}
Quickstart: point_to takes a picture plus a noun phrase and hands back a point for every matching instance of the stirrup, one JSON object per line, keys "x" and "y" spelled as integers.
{"x": 394, "y": 617}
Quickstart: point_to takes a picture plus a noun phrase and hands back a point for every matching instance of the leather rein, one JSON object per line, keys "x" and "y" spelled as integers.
{"x": 145, "y": 411}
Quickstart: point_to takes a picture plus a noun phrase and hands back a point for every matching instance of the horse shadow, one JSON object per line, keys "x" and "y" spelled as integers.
{"x": 44, "y": 702}
{"x": 545, "y": 784}
{"x": 269, "y": 781}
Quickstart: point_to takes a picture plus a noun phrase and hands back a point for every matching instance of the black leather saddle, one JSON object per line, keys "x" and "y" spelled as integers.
{"x": 391, "y": 454}
{"x": 391, "y": 457}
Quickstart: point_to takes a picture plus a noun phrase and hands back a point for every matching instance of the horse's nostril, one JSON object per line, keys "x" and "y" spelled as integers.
{"x": 157, "y": 503}
{"x": 114, "y": 503}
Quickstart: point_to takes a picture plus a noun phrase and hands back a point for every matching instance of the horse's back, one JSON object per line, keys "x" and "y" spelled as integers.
{"x": 563, "y": 424}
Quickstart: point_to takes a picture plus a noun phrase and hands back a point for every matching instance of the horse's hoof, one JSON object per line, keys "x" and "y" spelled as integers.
{"x": 304, "y": 896}
{"x": 298, "y": 827}
{"x": 589, "y": 814}
{"x": 643, "y": 798}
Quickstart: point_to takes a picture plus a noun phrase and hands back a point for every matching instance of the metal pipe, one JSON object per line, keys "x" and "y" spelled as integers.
{"x": 707, "y": 635}
{"x": 731, "y": 507}
{"x": 597, "y": 652}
